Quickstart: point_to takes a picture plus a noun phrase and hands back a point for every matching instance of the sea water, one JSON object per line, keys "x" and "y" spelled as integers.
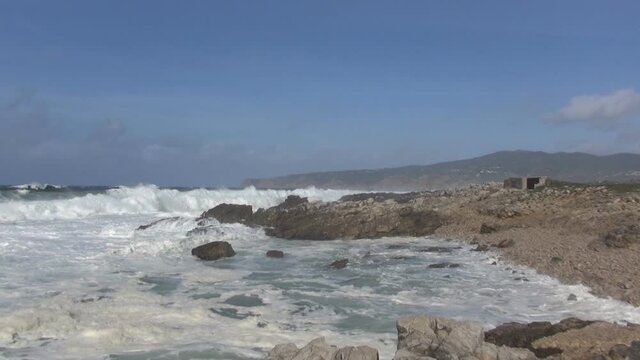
{"x": 77, "y": 280}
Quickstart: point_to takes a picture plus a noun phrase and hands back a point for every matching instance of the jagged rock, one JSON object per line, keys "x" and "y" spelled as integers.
{"x": 229, "y": 213}
{"x": 282, "y": 352}
{"x": 144, "y": 227}
{"x": 275, "y": 254}
{"x": 426, "y": 337}
{"x": 318, "y": 349}
{"x": 213, "y": 250}
{"x": 523, "y": 335}
{"x": 293, "y": 201}
{"x": 443, "y": 265}
{"x": 339, "y": 264}
{"x": 487, "y": 228}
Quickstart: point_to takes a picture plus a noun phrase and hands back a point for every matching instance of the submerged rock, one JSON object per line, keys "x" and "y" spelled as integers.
{"x": 144, "y": 227}
{"x": 444, "y": 265}
{"x": 339, "y": 264}
{"x": 213, "y": 250}
{"x": 275, "y": 254}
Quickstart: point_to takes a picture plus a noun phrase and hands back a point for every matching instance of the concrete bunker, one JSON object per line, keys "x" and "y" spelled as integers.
{"x": 526, "y": 182}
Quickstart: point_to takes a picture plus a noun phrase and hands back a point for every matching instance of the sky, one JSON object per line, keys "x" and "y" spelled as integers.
{"x": 209, "y": 93}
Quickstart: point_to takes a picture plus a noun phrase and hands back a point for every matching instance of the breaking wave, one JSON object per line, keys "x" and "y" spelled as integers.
{"x": 150, "y": 199}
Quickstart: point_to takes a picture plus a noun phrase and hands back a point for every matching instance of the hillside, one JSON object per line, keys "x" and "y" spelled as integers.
{"x": 578, "y": 167}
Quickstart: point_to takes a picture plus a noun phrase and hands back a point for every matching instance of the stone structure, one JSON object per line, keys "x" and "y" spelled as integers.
{"x": 526, "y": 182}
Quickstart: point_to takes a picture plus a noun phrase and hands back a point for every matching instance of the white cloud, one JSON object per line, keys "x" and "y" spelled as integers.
{"x": 599, "y": 110}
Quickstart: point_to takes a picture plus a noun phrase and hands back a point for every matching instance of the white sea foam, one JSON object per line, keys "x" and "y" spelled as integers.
{"x": 149, "y": 199}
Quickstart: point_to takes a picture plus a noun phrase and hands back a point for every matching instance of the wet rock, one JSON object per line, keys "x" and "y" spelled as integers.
{"x": 572, "y": 297}
{"x": 339, "y": 264}
{"x": 229, "y": 213}
{"x": 481, "y": 248}
{"x": 523, "y": 335}
{"x": 213, "y": 250}
{"x": 244, "y": 300}
{"x": 487, "y": 228}
{"x": 293, "y": 201}
{"x": 144, "y": 227}
{"x": 505, "y": 243}
{"x": 275, "y": 254}
{"x": 444, "y": 265}
{"x": 439, "y": 249}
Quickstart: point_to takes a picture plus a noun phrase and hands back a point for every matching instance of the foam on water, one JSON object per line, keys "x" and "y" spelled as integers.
{"x": 149, "y": 199}
{"x": 91, "y": 286}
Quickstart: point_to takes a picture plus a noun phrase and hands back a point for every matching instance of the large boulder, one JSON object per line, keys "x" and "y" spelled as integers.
{"x": 213, "y": 250}
{"x": 426, "y": 337}
{"x": 318, "y": 349}
{"x": 229, "y": 213}
{"x": 524, "y": 335}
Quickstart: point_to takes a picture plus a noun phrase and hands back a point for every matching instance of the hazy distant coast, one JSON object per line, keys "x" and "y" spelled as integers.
{"x": 579, "y": 167}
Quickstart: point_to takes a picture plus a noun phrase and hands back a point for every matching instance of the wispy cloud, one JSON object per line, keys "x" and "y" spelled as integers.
{"x": 599, "y": 110}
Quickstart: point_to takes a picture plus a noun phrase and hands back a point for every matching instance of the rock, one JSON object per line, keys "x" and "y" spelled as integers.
{"x": 426, "y": 337}
{"x": 481, "y": 248}
{"x": 356, "y": 353}
{"x": 144, "y": 227}
{"x": 523, "y": 335}
{"x": 293, "y": 201}
{"x": 488, "y": 229}
{"x": 622, "y": 237}
{"x": 275, "y": 254}
{"x": 439, "y": 249}
{"x": 282, "y": 352}
{"x": 347, "y": 220}
{"x": 229, "y": 213}
{"x": 443, "y": 265}
{"x": 505, "y": 243}
{"x": 572, "y": 297}
{"x": 318, "y": 349}
{"x": 339, "y": 264}
{"x": 634, "y": 351}
{"x": 213, "y": 250}
{"x": 619, "y": 352}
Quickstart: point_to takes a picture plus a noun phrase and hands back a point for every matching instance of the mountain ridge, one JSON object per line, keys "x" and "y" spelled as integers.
{"x": 576, "y": 166}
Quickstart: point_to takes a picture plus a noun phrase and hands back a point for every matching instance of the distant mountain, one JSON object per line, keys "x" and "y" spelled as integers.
{"x": 579, "y": 167}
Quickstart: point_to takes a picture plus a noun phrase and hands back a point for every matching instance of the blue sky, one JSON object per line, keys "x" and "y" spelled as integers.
{"x": 212, "y": 92}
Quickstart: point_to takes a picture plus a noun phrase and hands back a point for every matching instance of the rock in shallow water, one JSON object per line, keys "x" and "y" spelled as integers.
{"x": 275, "y": 254}
{"x": 339, "y": 264}
{"x": 213, "y": 250}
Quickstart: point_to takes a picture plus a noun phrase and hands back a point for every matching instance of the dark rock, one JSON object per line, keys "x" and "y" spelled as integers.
{"x": 481, "y": 248}
{"x": 229, "y": 213}
{"x": 622, "y": 237}
{"x": 556, "y": 259}
{"x": 523, "y": 335}
{"x": 339, "y": 264}
{"x": 572, "y": 297}
{"x": 634, "y": 351}
{"x": 275, "y": 254}
{"x": 244, "y": 300}
{"x": 505, "y": 243}
{"x": 444, "y": 265}
{"x": 438, "y": 249}
{"x": 144, "y": 227}
{"x": 293, "y": 201}
{"x": 213, "y": 250}
{"x": 619, "y": 352}
{"x": 488, "y": 229}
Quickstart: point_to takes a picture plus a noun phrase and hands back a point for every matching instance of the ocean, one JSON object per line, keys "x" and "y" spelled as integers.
{"x": 78, "y": 281}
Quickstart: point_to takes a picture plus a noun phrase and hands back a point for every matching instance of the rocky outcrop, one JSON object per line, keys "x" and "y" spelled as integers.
{"x": 348, "y": 220}
{"x": 427, "y": 337}
{"x": 318, "y": 349}
{"x": 229, "y": 213}
{"x": 213, "y": 250}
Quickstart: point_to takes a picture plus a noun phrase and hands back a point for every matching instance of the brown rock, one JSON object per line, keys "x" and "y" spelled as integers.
{"x": 339, "y": 264}
{"x": 213, "y": 250}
